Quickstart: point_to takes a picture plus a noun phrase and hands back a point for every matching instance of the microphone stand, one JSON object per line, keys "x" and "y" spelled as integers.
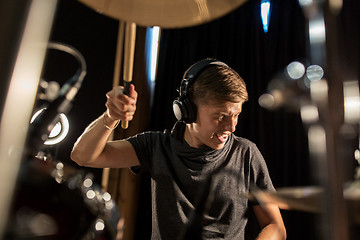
{"x": 41, "y": 127}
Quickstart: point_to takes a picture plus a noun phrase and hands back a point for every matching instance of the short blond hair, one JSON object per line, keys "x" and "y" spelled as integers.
{"x": 222, "y": 83}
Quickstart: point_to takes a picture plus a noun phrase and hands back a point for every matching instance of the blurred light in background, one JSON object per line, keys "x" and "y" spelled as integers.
{"x": 151, "y": 54}
{"x": 295, "y": 70}
{"x": 151, "y": 48}
{"x": 309, "y": 114}
{"x": 314, "y": 73}
{"x": 305, "y": 3}
{"x": 265, "y": 8}
{"x": 351, "y": 102}
{"x": 317, "y": 30}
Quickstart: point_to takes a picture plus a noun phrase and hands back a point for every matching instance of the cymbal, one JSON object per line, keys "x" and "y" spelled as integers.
{"x": 164, "y": 13}
{"x": 295, "y": 198}
{"x": 309, "y": 199}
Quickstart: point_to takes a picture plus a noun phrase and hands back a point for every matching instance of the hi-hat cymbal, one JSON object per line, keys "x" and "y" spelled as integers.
{"x": 164, "y": 13}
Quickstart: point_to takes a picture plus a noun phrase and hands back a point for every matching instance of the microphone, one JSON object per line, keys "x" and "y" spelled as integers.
{"x": 194, "y": 227}
{"x": 41, "y": 127}
{"x": 48, "y": 91}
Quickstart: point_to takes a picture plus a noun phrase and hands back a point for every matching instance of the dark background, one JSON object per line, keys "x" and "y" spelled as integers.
{"x": 237, "y": 39}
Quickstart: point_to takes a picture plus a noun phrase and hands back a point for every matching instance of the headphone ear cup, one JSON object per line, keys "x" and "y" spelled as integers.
{"x": 184, "y": 110}
{"x": 179, "y": 110}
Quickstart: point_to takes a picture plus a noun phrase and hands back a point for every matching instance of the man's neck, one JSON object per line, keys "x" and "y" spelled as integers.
{"x": 189, "y": 136}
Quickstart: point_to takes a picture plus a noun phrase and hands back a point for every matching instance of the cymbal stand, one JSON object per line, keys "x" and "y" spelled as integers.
{"x": 322, "y": 133}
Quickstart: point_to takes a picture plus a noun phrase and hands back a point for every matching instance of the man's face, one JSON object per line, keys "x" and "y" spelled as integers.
{"x": 215, "y": 121}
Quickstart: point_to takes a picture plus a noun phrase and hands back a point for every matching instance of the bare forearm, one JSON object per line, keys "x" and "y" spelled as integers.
{"x": 92, "y": 142}
{"x": 92, "y": 148}
{"x": 272, "y": 232}
{"x": 270, "y": 220}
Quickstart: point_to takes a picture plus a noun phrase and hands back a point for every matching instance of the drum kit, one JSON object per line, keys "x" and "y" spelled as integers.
{"x": 54, "y": 201}
{"x": 51, "y": 200}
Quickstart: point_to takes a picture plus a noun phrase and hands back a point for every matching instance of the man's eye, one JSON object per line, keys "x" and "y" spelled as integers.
{"x": 220, "y": 118}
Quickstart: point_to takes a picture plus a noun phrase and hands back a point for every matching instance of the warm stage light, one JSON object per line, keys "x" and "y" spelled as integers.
{"x": 60, "y": 130}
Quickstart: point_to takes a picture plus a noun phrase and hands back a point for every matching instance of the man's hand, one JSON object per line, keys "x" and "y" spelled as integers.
{"x": 120, "y": 106}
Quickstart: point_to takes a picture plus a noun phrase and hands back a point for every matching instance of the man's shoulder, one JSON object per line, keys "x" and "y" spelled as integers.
{"x": 153, "y": 133}
{"x": 150, "y": 136}
{"x": 244, "y": 142}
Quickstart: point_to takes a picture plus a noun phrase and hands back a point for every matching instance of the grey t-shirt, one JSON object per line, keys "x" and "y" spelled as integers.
{"x": 177, "y": 172}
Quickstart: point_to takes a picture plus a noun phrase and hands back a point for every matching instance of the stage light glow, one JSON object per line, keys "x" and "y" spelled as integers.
{"x": 309, "y": 114}
{"x": 314, "y": 73}
{"x": 151, "y": 54}
{"x": 154, "y": 51}
{"x": 90, "y": 194}
{"x": 295, "y": 70}
{"x": 317, "y": 139}
{"x": 152, "y": 46}
{"x": 265, "y": 8}
{"x": 305, "y": 3}
{"x": 319, "y": 91}
{"x": 100, "y": 225}
{"x": 351, "y": 101}
{"x": 106, "y": 196}
{"x": 266, "y": 100}
{"x": 88, "y": 183}
{"x": 317, "y": 30}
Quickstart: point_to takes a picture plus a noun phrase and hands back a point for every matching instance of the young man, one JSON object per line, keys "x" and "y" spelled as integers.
{"x": 201, "y": 147}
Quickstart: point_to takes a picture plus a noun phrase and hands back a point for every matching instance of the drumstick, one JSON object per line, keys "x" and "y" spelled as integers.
{"x": 130, "y": 35}
{"x": 116, "y": 80}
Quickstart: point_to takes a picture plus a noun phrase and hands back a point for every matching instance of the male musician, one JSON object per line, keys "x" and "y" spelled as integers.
{"x": 200, "y": 148}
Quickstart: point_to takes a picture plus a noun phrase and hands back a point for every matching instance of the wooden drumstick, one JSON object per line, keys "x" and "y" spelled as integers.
{"x": 130, "y": 36}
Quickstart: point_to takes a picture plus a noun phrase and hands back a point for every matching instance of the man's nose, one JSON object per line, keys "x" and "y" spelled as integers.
{"x": 230, "y": 124}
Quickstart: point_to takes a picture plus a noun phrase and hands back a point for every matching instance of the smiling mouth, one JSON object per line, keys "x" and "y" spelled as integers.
{"x": 222, "y": 137}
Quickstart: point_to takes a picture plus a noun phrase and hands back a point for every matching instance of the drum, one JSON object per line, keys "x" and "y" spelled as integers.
{"x": 54, "y": 201}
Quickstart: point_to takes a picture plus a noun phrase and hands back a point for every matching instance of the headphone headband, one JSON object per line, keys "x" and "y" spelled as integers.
{"x": 194, "y": 71}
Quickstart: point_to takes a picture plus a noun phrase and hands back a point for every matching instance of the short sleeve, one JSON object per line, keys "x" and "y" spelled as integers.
{"x": 142, "y": 145}
{"x": 259, "y": 172}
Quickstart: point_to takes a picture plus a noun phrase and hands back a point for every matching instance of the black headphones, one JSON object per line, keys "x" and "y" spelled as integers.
{"x": 184, "y": 109}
